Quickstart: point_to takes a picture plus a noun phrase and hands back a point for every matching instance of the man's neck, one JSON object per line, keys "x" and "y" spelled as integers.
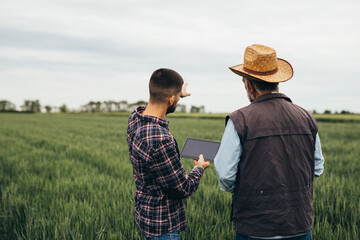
{"x": 155, "y": 110}
{"x": 258, "y": 94}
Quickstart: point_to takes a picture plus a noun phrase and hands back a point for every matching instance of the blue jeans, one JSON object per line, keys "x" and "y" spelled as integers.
{"x": 303, "y": 237}
{"x": 167, "y": 236}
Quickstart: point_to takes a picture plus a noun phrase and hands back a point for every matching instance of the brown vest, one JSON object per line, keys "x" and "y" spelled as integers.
{"x": 274, "y": 182}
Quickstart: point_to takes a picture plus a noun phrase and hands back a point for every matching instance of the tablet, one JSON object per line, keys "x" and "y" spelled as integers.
{"x": 194, "y": 147}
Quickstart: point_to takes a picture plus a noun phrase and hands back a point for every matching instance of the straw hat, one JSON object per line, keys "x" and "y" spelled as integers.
{"x": 260, "y": 62}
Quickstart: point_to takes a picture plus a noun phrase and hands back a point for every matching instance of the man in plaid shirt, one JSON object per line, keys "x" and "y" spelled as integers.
{"x": 160, "y": 178}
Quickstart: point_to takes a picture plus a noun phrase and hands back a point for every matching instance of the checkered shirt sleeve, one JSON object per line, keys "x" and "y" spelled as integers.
{"x": 171, "y": 176}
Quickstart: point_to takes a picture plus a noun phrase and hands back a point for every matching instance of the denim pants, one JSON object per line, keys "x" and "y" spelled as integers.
{"x": 303, "y": 237}
{"x": 167, "y": 236}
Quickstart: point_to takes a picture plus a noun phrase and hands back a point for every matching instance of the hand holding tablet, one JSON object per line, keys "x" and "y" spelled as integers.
{"x": 201, "y": 162}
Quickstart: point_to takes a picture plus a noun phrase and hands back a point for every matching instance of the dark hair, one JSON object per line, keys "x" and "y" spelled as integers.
{"x": 262, "y": 85}
{"x": 164, "y": 83}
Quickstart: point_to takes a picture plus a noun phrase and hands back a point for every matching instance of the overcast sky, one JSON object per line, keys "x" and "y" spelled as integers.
{"x": 73, "y": 51}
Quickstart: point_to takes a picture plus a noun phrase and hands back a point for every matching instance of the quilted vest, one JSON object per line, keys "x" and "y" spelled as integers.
{"x": 274, "y": 182}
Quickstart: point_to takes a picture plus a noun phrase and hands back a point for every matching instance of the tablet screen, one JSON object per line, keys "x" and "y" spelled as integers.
{"x": 194, "y": 147}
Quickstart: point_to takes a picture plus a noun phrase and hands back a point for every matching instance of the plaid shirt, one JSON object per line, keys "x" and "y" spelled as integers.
{"x": 160, "y": 178}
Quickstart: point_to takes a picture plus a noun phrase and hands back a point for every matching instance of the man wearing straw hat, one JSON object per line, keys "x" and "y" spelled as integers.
{"x": 269, "y": 154}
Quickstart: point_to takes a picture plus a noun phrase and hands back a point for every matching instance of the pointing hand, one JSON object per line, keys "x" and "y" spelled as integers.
{"x": 183, "y": 91}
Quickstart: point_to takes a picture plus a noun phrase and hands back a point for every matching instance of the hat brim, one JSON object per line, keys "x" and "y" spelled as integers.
{"x": 284, "y": 72}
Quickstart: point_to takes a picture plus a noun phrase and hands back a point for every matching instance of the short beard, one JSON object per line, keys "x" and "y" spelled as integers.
{"x": 172, "y": 108}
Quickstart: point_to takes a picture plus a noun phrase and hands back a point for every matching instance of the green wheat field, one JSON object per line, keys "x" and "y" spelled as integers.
{"x": 68, "y": 176}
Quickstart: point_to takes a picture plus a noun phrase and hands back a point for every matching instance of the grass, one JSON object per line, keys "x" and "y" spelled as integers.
{"x": 68, "y": 176}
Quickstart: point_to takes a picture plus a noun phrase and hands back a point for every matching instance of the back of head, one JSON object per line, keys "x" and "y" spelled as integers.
{"x": 263, "y": 86}
{"x": 163, "y": 84}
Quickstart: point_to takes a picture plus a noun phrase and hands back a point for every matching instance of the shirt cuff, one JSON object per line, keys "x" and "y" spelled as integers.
{"x": 200, "y": 170}
{"x": 230, "y": 190}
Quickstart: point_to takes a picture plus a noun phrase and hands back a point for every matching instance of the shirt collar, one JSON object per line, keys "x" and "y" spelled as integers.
{"x": 271, "y": 96}
{"x": 162, "y": 122}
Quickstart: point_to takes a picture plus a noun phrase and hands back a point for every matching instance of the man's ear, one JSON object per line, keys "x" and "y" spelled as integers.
{"x": 251, "y": 87}
{"x": 171, "y": 100}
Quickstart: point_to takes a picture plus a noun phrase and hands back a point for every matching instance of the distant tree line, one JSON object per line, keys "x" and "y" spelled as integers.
{"x": 124, "y": 106}
{"x": 111, "y": 106}
{"x": 30, "y": 106}
{"x": 34, "y": 106}
{"x": 336, "y": 112}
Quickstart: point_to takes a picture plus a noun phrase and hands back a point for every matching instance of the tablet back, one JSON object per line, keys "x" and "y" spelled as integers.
{"x": 194, "y": 147}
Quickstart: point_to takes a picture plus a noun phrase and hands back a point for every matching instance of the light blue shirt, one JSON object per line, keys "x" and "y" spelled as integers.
{"x": 228, "y": 157}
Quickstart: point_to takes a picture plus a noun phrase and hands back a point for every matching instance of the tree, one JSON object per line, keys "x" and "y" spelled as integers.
{"x": 27, "y": 106}
{"x": 36, "y": 107}
{"x": 141, "y": 103}
{"x": 122, "y": 106}
{"x": 181, "y": 108}
{"x": 31, "y": 106}
{"x": 63, "y": 108}
{"x": 48, "y": 108}
{"x": 98, "y": 106}
{"x": 109, "y": 105}
{"x": 92, "y": 106}
{"x": 327, "y": 112}
{"x": 345, "y": 112}
{"x": 195, "y": 109}
{"x": 6, "y": 106}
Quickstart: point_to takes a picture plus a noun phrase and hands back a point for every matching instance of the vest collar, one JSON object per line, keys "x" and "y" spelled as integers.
{"x": 271, "y": 96}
